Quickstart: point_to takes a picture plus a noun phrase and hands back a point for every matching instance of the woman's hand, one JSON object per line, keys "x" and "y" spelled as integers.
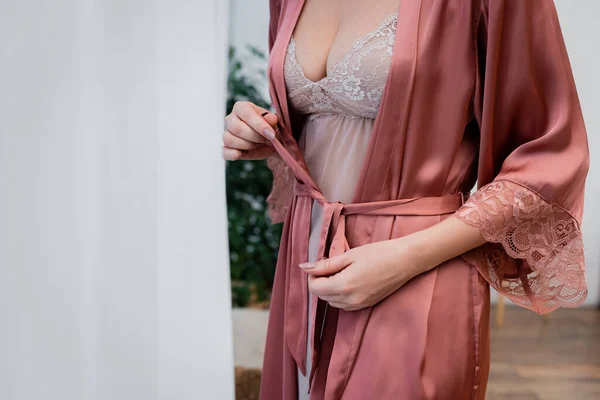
{"x": 364, "y": 275}
{"x": 248, "y": 134}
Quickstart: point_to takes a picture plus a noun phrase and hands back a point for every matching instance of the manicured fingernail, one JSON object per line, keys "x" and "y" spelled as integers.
{"x": 269, "y": 134}
{"x": 307, "y": 265}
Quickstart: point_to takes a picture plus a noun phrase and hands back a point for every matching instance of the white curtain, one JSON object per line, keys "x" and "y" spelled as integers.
{"x": 114, "y": 279}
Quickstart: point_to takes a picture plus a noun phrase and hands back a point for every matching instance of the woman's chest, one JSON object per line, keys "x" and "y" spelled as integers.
{"x": 326, "y": 30}
{"x": 355, "y": 83}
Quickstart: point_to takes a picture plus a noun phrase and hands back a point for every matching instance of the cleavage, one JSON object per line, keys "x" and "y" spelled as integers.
{"x": 329, "y": 64}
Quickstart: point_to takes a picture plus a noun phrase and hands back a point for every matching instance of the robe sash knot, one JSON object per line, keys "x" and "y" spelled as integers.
{"x": 332, "y": 242}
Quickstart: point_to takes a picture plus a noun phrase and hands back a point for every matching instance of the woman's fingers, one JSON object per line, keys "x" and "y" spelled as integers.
{"x": 335, "y": 298}
{"x": 251, "y": 115}
{"x": 236, "y": 142}
{"x": 242, "y": 130}
{"x": 327, "y": 266}
{"x": 272, "y": 119}
{"x": 324, "y": 286}
{"x": 259, "y": 153}
{"x": 323, "y": 277}
{"x": 249, "y": 130}
{"x": 341, "y": 306}
{"x": 232, "y": 154}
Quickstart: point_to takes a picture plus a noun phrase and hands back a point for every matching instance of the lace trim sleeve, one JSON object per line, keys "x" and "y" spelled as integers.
{"x": 534, "y": 255}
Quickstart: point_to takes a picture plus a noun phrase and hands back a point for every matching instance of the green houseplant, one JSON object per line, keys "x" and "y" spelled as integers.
{"x": 253, "y": 240}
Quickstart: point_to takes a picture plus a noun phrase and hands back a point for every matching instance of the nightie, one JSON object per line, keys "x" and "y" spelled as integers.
{"x": 341, "y": 110}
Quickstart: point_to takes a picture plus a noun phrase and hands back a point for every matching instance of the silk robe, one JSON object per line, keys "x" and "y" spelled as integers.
{"x": 479, "y": 89}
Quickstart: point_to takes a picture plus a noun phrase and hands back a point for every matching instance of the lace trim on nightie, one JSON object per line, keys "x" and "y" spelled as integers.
{"x": 534, "y": 255}
{"x": 354, "y": 86}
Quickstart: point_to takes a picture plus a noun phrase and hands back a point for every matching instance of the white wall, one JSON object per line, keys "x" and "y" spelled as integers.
{"x": 114, "y": 279}
{"x": 580, "y": 27}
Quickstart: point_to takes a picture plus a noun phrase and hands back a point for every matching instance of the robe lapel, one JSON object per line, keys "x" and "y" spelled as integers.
{"x": 379, "y": 180}
{"x": 277, "y": 88}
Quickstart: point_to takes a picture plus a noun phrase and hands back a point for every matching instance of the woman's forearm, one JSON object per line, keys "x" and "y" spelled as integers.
{"x": 443, "y": 241}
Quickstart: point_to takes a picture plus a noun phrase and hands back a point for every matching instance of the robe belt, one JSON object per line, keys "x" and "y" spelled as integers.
{"x": 333, "y": 242}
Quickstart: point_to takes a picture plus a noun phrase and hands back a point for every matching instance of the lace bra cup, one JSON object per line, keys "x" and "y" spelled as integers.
{"x": 354, "y": 86}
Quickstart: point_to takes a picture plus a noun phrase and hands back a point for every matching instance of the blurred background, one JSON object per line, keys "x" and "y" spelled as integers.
{"x": 135, "y": 264}
{"x": 555, "y": 357}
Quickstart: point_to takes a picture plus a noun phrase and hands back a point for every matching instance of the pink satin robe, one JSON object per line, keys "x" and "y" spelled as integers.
{"x": 478, "y": 90}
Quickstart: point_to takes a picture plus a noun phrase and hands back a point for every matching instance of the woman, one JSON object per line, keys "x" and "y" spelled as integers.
{"x": 386, "y": 115}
